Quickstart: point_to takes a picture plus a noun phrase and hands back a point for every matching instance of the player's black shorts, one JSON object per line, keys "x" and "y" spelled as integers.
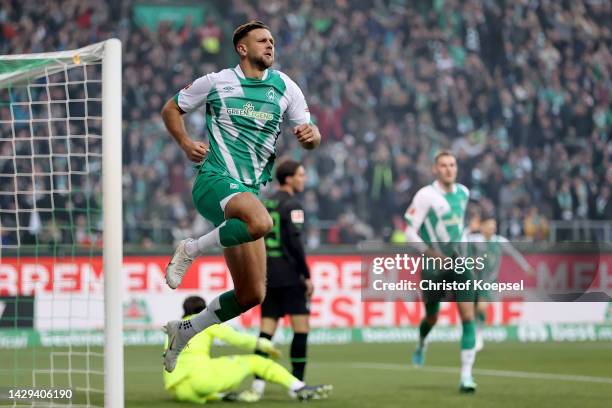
{"x": 287, "y": 300}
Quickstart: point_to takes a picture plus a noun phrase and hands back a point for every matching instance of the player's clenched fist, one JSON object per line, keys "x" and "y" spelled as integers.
{"x": 308, "y": 135}
{"x": 195, "y": 151}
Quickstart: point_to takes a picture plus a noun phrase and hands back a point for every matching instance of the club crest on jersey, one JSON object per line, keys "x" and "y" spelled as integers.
{"x": 248, "y": 111}
{"x": 271, "y": 95}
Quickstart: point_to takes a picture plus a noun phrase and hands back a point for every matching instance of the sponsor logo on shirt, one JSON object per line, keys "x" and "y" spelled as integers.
{"x": 248, "y": 111}
{"x": 297, "y": 216}
{"x": 228, "y": 88}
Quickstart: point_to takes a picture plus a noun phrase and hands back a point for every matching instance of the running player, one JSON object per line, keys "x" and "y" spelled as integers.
{"x": 289, "y": 287}
{"x": 199, "y": 378}
{"x": 488, "y": 243}
{"x": 244, "y": 108}
{"x": 435, "y": 228}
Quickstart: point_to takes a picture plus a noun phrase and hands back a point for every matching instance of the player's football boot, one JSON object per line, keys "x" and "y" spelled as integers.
{"x": 178, "y": 265}
{"x": 467, "y": 385}
{"x": 314, "y": 392}
{"x": 177, "y": 340}
{"x": 418, "y": 357}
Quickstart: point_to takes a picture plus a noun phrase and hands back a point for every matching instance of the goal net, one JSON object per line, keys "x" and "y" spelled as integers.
{"x": 60, "y": 228}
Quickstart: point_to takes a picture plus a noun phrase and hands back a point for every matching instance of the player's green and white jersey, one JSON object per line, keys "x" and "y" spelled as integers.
{"x": 491, "y": 251}
{"x": 438, "y": 216}
{"x": 243, "y": 118}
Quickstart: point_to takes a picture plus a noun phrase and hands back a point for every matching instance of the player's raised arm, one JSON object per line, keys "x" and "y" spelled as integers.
{"x": 186, "y": 100}
{"x": 415, "y": 215}
{"x": 299, "y": 115}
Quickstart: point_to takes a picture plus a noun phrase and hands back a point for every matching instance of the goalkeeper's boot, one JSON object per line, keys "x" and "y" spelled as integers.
{"x": 313, "y": 392}
{"x": 467, "y": 385}
{"x": 178, "y": 265}
{"x": 418, "y": 357}
{"x": 177, "y": 340}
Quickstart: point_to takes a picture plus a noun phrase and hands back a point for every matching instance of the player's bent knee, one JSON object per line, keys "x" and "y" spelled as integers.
{"x": 252, "y": 298}
{"x": 260, "y": 226}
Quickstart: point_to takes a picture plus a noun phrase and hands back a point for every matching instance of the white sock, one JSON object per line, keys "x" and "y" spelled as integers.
{"x": 296, "y": 385}
{"x": 259, "y": 386}
{"x": 467, "y": 362}
{"x": 206, "y": 317}
{"x": 198, "y": 246}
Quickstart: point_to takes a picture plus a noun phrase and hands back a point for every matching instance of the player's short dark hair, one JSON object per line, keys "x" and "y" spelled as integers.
{"x": 443, "y": 153}
{"x": 242, "y": 30}
{"x": 286, "y": 168}
{"x": 487, "y": 216}
{"x": 193, "y": 305}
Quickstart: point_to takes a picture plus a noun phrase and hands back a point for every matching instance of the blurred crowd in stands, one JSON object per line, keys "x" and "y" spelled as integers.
{"x": 520, "y": 91}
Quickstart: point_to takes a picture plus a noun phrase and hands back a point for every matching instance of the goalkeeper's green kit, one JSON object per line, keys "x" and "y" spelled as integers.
{"x": 198, "y": 377}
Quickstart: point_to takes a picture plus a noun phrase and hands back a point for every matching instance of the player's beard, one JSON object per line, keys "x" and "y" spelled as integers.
{"x": 260, "y": 63}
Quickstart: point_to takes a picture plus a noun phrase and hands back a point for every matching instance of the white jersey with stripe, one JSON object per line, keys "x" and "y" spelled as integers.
{"x": 438, "y": 216}
{"x": 491, "y": 250}
{"x": 243, "y": 118}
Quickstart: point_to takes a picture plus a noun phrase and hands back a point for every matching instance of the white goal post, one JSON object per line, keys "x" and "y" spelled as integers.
{"x": 32, "y": 77}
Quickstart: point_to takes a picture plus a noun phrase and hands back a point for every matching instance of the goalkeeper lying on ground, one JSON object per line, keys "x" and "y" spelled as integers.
{"x": 199, "y": 378}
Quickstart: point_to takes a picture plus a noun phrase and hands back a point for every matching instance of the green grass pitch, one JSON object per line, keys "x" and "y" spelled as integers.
{"x": 379, "y": 375}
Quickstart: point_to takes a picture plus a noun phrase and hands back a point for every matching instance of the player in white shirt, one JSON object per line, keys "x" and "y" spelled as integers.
{"x": 435, "y": 229}
{"x": 494, "y": 246}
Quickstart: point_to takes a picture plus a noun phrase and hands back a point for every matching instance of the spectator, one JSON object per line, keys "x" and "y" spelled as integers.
{"x": 520, "y": 89}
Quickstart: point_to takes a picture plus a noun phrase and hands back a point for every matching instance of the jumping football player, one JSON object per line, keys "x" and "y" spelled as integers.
{"x": 244, "y": 109}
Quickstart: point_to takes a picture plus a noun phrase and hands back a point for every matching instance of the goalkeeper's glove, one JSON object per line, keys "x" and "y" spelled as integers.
{"x": 266, "y": 346}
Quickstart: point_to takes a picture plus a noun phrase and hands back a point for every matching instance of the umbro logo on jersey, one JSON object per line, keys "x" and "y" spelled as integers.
{"x": 271, "y": 95}
{"x": 233, "y": 186}
{"x": 228, "y": 88}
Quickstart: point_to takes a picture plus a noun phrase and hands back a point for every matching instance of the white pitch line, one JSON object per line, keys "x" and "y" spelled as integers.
{"x": 439, "y": 369}
{"x": 483, "y": 371}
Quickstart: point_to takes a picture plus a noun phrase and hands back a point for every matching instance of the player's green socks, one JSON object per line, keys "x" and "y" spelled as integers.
{"x": 424, "y": 329}
{"x": 221, "y": 309}
{"x": 234, "y": 232}
{"x": 481, "y": 317}
{"x": 468, "y": 337}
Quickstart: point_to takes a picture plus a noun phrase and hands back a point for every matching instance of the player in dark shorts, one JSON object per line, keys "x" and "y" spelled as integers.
{"x": 288, "y": 285}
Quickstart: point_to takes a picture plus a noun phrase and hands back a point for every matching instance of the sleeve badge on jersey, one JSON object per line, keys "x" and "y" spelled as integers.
{"x": 297, "y": 216}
